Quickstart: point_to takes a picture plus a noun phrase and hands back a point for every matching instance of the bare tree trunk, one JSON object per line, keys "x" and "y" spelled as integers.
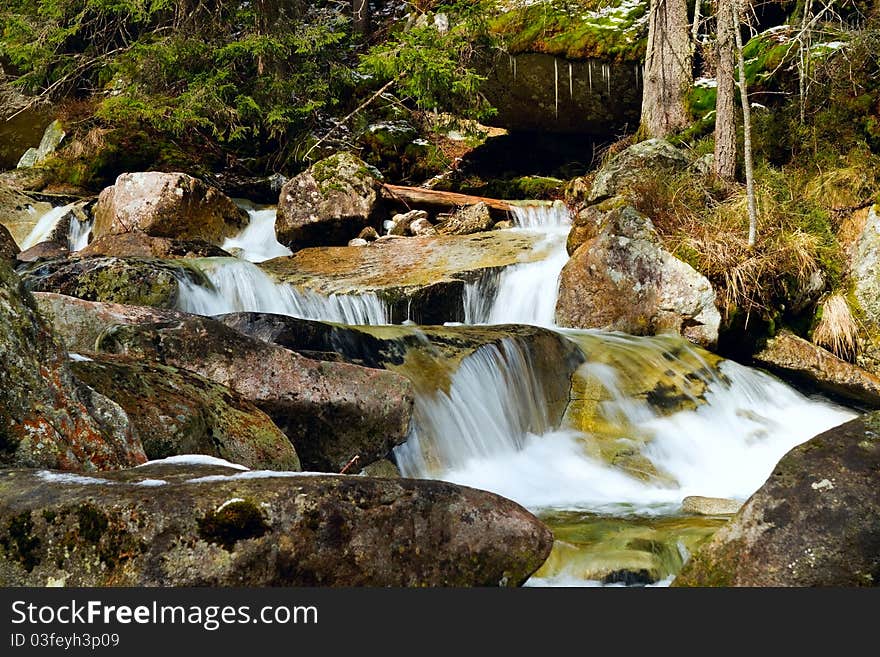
{"x": 668, "y": 69}
{"x": 695, "y": 27}
{"x": 360, "y": 13}
{"x": 725, "y": 115}
{"x": 747, "y": 127}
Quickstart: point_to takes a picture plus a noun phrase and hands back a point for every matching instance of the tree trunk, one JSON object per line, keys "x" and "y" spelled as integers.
{"x": 747, "y": 127}
{"x": 725, "y": 116}
{"x": 360, "y": 13}
{"x": 668, "y": 71}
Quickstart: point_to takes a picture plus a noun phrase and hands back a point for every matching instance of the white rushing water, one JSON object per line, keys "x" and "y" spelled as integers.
{"x": 257, "y": 241}
{"x": 524, "y": 293}
{"x": 44, "y": 227}
{"x": 241, "y": 286}
{"x": 476, "y": 435}
{"x": 78, "y": 234}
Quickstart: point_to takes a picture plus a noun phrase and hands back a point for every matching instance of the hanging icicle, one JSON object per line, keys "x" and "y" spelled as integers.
{"x": 608, "y": 78}
{"x": 570, "y": 83}
{"x": 590, "y": 70}
{"x": 556, "y": 86}
{"x": 514, "y": 68}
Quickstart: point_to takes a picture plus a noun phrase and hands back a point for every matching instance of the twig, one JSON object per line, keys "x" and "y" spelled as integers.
{"x": 354, "y": 458}
{"x": 352, "y": 113}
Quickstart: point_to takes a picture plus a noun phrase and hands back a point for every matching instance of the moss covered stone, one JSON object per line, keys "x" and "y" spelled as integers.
{"x": 162, "y": 525}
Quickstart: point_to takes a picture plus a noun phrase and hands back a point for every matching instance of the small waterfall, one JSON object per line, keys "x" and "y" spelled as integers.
{"x": 490, "y": 431}
{"x": 78, "y": 233}
{"x": 493, "y": 402}
{"x": 240, "y": 286}
{"x": 526, "y": 293}
{"x": 257, "y": 241}
{"x": 46, "y": 224}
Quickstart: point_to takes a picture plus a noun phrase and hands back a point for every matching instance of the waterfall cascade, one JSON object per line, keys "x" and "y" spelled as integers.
{"x": 78, "y": 232}
{"x": 489, "y": 426}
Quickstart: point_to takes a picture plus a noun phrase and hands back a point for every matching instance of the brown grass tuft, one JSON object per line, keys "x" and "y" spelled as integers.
{"x": 837, "y": 330}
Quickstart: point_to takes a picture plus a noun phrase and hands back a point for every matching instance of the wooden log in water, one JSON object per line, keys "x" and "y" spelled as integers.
{"x": 421, "y": 196}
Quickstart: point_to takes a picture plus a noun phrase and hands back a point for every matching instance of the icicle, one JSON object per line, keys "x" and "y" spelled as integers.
{"x": 514, "y": 68}
{"x": 570, "y": 83}
{"x": 556, "y": 86}
{"x": 590, "y": 69}
{"x": 608, "y": 79}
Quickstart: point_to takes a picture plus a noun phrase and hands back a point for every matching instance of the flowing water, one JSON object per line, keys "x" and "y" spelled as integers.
{"x": 620, "y": 467}
{"x": 78, "y": 232}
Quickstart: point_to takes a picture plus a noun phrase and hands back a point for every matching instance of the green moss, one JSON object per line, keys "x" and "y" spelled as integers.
{"x": 614, "y": 30}
{"x": 92, "y": 523}
{"x": 234, "y": 521}
{"x": 19, "y": 541}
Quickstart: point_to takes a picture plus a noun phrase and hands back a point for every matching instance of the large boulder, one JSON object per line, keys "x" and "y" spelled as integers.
{"x": 44, "y": 251}
{"x": 623, "y": 280}
{"x": 191, "y": 525}
{"x": 814, "y": 522}
{"x": 632, "y": 163}
{"x": 79, "y": 323}
{"x": 792, "y": 357}
{"x": 47, "y": 417}
{"x": 331, "y": 412}
{"x": 137, "y": 244}
{"x": 178, "y": 412}
{"x": 52, "y": 138}
{"x": 418, "y": 278}
{"x": 134, "y": 281}
{"x": 328, "y": 204}
{"x": 172, "y": 205}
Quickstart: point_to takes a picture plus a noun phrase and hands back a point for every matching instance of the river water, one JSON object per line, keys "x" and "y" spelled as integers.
{"x": 492, "y": 426}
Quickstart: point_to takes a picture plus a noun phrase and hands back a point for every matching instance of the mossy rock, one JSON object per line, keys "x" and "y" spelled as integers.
{"x": 178, "y": 412}
{"x": 133, "y": 281}
{"x": 207, "y": 525}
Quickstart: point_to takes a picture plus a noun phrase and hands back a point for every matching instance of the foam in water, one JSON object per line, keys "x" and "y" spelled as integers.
{"x": 44, "y": 227}
{"x": 240, "y": 286}
{"x": 475, "y": 436}
{"x": 525, "y": 293}
{"x": 257, "y": 241}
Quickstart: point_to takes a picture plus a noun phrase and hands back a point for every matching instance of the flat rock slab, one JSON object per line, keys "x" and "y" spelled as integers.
{"x": 402, "y": 263}
{"x": 206, "y": 525}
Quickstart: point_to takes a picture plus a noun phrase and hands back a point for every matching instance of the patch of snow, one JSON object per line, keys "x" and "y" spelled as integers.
{"x": 194, "y": 459}
{"x": 260, "y": 474}
{"x": 151, "y": 483}
{"x": 79, "y": 357}
{"x": 70, "y": 478}
{"x": 706, "y": 83}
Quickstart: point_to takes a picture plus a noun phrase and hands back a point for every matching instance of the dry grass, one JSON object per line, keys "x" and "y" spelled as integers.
{"x": 837, "y": 330}
{"x": 705, "y": 223}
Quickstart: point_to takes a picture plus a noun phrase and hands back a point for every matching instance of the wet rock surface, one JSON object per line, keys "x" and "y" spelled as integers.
{"x": 189, "y": 525}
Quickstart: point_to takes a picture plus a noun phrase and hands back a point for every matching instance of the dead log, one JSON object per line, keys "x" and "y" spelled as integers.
{"x": 435, "y": 198}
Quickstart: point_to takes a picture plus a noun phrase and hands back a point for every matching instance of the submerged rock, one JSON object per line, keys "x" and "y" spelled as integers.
{"x": 814, "y": 522}
{"x": 709, "y": 506}
{"x": 790, "y": 356}
{"x": 328, "y": 204}
{"x": 172, "y": 205}
{"x": 179, "y": 412}
{"x": 420, "y": 278}
{"x": 628, "y": 165}
{"x": 631, "y": 550}
{"x": 330, "y": 411}
{"x": 47, "y": 417}
{"x": 191, "y": 525}
{"x": 79, "y": 323}
{"x": 623, "y": 280}
{"x": 134, "y": 281}
{"x": 137, "y": 244}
